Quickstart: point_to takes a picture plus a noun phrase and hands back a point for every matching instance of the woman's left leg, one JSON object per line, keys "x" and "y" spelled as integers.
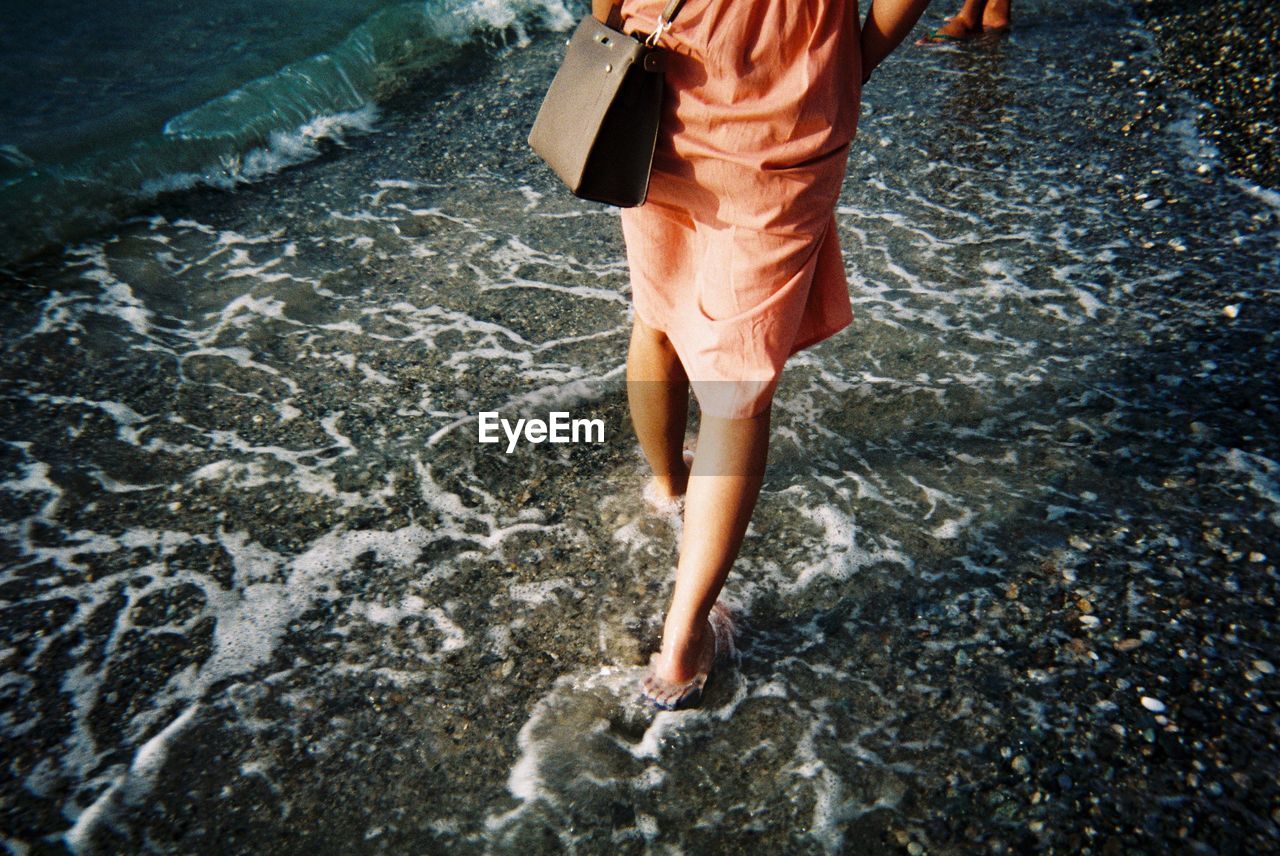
{"x": 658, "y": 396}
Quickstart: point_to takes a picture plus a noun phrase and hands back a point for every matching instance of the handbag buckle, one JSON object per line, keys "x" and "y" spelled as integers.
{"x": 656, "y": 35}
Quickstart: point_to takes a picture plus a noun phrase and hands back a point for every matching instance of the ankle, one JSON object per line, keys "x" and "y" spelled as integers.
{"x": 675, "y": 482}
{"x": 684, "y": 635}
{"x": 672, "y": 485}
{"x": 996, "y": 14}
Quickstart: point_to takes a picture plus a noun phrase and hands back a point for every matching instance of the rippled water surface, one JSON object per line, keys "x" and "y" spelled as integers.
{"x": 1011, "y": 582}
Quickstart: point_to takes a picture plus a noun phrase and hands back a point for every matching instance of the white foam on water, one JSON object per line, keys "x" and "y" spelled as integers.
{"x": 833, "y": 807}
{"x": 271, "y": 591}
{"x": 1201, "y": 154}
{"x": 1263, "y": 476}
{"x": 541, "y": 592}
{"x": 454, "y": 637}
{"x": 470, "y": 15}
{"x": 840, "y": 556}
{"x": 516, "y": 256}
{"x": 572, "y": 721}
{"x": 115, "y": 298}
{"x": 378, "y": 613}
{"x": 283, "y": 149}
{"x": 35, "y": 479}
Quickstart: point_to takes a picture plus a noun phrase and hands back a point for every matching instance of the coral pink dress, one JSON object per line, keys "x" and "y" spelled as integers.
{"x": 734, "y": 255}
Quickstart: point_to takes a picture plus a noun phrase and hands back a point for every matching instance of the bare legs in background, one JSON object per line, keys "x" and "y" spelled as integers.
{"x": 974, "y": 18}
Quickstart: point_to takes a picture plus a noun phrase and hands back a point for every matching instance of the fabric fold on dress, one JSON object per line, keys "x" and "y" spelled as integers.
{"x": 735, "y": 254}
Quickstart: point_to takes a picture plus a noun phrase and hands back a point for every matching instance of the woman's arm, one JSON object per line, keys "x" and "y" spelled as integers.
{"x": 887, "y": 25}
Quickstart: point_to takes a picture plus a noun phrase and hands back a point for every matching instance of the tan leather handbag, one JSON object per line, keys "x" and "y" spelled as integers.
{"x": 599, "y": 120}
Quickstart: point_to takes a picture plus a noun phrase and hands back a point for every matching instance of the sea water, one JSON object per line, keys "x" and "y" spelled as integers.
{"x": 106, "y": 105}
{"x": 264, "y": 590}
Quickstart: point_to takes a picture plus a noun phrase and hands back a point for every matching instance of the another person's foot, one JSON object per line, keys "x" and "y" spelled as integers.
{"x": 665, "y": 494}
{"x": 677, "y": 676}
{"x": 955, "y": 29}
{"x": 961, "y": 28}
{"x": 995, "y": 16}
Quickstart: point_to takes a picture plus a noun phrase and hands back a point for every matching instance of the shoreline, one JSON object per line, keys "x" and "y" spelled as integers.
{"x": 1217, "y": 51}
{"x": 1229, "y": 76}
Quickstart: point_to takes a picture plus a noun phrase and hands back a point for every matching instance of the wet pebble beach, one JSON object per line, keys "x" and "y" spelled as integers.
{"x": 1225, "y": 54}
{"x": 1011, "y": 585}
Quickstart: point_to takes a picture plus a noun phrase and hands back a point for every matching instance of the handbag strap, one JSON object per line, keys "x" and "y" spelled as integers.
{"x": 665, "y": 20}
{"x": 672, "y": 9}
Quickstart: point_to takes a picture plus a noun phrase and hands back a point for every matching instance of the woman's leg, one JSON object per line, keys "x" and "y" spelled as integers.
{"x": 723, "y": 487}
{"x": 658, "y": 394}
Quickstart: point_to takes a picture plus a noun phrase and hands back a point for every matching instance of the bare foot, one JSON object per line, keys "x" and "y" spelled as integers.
{"x": 679, "y": 671}
{"x": 995, "y": 16}
{"x": 676, "y": 677}
{"x": 957, "y": 29}
{"x": 665, "y": 493}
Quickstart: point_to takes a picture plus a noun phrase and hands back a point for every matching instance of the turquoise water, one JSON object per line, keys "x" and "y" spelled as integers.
{"x": 103, "y": 105}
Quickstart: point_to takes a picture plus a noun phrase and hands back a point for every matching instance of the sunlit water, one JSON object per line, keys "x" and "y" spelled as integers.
{"x": 105, "y": 105}
{"x": 1010, "y": 583}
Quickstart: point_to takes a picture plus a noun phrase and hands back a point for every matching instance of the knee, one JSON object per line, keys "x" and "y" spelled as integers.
{"x": 651, "y": 337}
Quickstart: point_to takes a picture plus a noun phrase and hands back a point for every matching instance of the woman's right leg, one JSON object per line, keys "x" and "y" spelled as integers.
{"x": 724, "y": 485}
{"x": 720, "y": 495}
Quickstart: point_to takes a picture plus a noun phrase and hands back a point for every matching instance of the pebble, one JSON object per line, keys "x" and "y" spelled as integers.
{"x": 1257, "y": 557}
{"x": 1264, "y": 666}
{"x": 915, "y": 848}
{"x": 1153, "y": 704}
{"x": 1021, "y": 765}
{"x": 1128, "y": 644}
{"x": 1231, "y": 310}
{"x": 1090, "y": 620}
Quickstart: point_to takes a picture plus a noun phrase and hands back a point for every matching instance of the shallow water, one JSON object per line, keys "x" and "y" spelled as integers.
{"x": 1011, "y": 583}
